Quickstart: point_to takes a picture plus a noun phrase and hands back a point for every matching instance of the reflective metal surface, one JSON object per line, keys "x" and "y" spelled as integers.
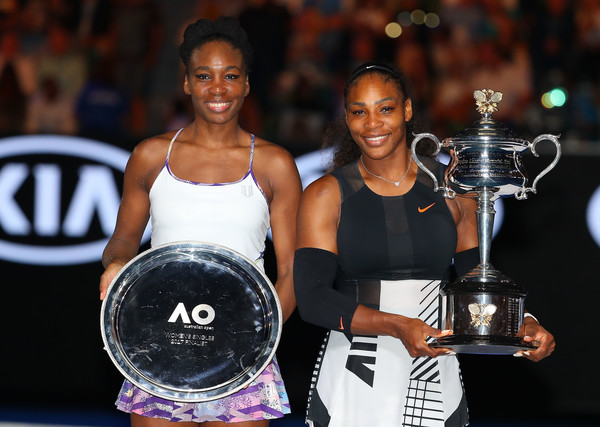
{"x": 486, "y": 163}
{"x": 485, "y": 316}
{"x": 191, "y": 321}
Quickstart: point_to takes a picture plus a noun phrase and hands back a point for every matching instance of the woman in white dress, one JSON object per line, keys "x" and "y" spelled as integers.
{"x": 211, "y": 181}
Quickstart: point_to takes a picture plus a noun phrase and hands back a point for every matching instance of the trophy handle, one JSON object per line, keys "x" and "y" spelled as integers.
{"x": 522, "y": 192}
{"x": 448, "y": 192}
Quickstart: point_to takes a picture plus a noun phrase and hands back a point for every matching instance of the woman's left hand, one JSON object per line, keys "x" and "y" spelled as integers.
{"x": 532, "y": 332}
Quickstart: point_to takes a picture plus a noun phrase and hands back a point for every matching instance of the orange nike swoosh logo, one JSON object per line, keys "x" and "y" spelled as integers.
{"x": 341, "y": 324}
{"x": 421, "y": 210}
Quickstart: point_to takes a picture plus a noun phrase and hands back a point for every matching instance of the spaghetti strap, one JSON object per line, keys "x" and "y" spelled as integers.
{"x": 251, "y": 152}
{"x": 248, "y": 172}
{"x": 171, "y": 145}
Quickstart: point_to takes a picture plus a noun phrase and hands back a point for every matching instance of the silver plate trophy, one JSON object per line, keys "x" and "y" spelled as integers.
{"x": 191, "y": 321}
{"x": 484, "y": 308}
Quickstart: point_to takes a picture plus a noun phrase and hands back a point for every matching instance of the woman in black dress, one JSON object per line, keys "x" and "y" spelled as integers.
{"x": 377, "y": 229}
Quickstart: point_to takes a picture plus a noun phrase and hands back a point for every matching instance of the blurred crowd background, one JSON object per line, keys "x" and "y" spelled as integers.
{"x": 109, "y": 69}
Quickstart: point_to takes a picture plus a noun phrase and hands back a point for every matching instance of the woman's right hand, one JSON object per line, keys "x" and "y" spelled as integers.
{"x": 108, "y": 275}
{"x": 413, "y": 334}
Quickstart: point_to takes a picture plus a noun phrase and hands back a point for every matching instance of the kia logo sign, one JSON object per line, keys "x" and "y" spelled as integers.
{"x": 53, "y": 191}
{"x": 59, "y": 197}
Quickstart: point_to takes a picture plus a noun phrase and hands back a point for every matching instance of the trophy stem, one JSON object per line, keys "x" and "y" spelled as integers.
{"x": 485, "y": 225}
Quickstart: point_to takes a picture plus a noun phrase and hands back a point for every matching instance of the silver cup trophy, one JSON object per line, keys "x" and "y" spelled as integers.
{"x": 484, "y": 308}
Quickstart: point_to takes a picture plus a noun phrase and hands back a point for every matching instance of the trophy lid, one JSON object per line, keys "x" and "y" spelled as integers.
{"x": 487, "y": 129}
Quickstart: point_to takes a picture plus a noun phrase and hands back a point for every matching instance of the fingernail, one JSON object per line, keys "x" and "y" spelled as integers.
{"x": 518, "y": 355}
{"x": 451, "y": 352}
{"x": 527, "y": 353}
{"x": 445, "y": 331}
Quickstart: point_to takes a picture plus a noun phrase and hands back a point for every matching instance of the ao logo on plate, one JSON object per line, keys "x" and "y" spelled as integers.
{"x": 59, "y": 198}
{"x": 180, "y": 312}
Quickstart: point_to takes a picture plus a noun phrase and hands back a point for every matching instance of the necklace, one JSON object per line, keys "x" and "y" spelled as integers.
{"x": 396, "y": 183}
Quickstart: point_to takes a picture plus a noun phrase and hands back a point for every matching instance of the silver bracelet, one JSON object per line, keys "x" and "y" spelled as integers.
{"x": 530, "y": 315}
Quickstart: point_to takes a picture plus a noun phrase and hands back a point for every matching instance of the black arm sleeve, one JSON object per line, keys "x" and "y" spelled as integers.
{"x": 465, "y": 261}
{"x": 318, "y": 302}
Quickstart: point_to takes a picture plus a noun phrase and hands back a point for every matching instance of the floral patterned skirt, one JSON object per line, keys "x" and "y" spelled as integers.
{"x": 265, "y": 398}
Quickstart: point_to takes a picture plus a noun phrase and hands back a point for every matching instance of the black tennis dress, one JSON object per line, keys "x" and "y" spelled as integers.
{"x": 393, "y": 253}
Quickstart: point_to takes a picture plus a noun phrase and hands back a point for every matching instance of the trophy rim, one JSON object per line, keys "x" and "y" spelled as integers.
{"x": 196, "y": 250}
{"x": 486, "y": 140}
{"x": 483, "y": 344}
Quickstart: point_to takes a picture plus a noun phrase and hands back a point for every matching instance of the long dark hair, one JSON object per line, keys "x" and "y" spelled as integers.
{"x": 337, "y": 134}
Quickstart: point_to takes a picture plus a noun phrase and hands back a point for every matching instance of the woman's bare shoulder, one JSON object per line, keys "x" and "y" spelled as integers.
{"x": 271, "y": 150}
{"x": 319, "y": 214}
{"x": 152, "y": 151}
{"x": 148, "y": 157}
{"x": 273, "y": 159}
{"x": 153, "y": 146}
{"x": 323, "y": 188}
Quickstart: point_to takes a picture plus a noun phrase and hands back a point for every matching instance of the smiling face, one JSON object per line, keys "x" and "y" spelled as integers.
{"x": 217, "y": 82}
{"x": 376, "y": 115}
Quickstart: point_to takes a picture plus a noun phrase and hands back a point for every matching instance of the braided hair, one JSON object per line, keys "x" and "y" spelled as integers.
{"x": 337, "y": 134}
{"x": 224, "y": 28}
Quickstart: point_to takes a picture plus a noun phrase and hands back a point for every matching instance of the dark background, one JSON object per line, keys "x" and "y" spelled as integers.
{"x": 53, "y": 354}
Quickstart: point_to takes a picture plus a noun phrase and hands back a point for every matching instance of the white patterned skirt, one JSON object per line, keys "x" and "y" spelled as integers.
{"x": 372, "y": 380}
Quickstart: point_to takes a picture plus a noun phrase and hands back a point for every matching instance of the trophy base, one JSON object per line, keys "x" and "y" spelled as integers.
{"x": 483, "y": 344}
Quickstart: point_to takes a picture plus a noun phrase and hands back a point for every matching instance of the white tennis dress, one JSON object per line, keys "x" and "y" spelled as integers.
{"x": 235, "y": 215}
